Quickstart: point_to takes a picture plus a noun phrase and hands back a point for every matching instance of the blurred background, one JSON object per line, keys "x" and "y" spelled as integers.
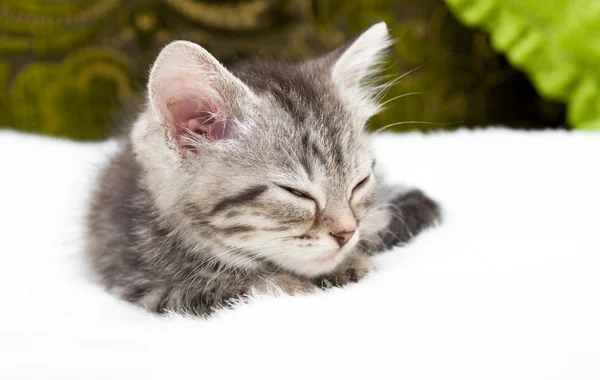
{"x": 77, "y": 68}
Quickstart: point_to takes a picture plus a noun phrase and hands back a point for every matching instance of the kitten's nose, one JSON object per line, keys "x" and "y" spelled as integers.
{"x": 342, "y": 237}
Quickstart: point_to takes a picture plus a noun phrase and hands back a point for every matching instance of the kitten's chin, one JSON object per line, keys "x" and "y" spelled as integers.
{"x": 319, "y": 265}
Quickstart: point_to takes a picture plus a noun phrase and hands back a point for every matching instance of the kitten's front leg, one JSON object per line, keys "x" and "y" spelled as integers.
{"x": 267, "y": 283}
{"x": 197, "y": 297}
{"x": 288, "y": 283}
{"x": 398, "y": 216}
{"x": 352, "y": 269}
{"x": 411, "y": 212}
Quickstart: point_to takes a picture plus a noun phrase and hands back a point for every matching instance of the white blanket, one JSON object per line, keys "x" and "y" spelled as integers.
{"x": 508, "y": 287}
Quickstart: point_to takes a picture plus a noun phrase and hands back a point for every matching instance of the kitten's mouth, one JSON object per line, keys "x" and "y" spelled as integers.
{"x": 311, "y": 241}
{"x": 306, "y": 240}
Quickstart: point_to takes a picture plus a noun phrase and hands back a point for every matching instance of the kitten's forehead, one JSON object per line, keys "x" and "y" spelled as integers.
{"x": 300, "y": 90}
{"x": 304, "y": 122}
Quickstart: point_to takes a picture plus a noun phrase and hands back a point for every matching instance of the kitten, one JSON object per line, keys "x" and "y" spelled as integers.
{"x": 244, "y": 180}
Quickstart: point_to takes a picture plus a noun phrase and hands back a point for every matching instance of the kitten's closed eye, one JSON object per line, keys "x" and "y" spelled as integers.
{"x": 362, "y": 183}
{"x": 296, "y": 192}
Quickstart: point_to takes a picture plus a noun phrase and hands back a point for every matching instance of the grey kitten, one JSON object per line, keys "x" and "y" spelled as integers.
{"x": 248, "y": 180}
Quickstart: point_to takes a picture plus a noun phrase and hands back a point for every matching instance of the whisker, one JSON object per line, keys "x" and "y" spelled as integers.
{"x": 414, "y": 122}
{"x": 390, "y": 84}
{"x": 402, "y": 96}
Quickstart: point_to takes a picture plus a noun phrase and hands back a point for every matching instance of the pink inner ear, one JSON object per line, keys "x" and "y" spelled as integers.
{"x": 214, "y": 129}
{"x": 188, "y": 114}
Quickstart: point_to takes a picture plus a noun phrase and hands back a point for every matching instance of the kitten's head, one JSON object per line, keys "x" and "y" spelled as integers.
{"x": 268, "y": 161}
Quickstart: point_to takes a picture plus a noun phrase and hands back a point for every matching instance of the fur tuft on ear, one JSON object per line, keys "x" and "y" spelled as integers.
{"x": 194, "y": 97}
{"x": 359, "y": 62}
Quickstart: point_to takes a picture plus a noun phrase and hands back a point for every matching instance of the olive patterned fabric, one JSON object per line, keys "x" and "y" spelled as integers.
{"x": 77, "y": 68}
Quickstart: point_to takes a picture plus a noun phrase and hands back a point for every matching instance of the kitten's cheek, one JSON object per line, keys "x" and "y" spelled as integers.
{"x": 360, "y": 213}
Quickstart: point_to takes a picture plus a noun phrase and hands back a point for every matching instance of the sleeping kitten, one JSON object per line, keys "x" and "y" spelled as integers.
{"x": 246, "y": 180}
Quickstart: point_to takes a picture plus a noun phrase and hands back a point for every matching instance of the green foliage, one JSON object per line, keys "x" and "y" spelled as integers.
{"x": 556, "y": 43}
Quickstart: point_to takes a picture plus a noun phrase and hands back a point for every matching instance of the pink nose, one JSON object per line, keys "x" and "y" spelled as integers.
{"x": 342, "y": 237}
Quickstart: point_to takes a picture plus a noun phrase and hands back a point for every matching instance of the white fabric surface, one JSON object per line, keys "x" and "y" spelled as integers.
{"x": 508, "y": 287}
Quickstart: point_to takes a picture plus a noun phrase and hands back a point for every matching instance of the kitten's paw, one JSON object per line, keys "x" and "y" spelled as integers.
{"x": 287, "y": 283}
{"x": 412, "y": 212}
{"x": 354, "y": 268}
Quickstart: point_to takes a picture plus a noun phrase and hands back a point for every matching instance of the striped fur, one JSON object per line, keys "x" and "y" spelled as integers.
{"x": 184, "y": 218}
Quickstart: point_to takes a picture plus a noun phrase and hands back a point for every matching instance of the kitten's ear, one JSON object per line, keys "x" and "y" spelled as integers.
{"x": 193, "y": 95}
{"x": 358, "y": 61}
